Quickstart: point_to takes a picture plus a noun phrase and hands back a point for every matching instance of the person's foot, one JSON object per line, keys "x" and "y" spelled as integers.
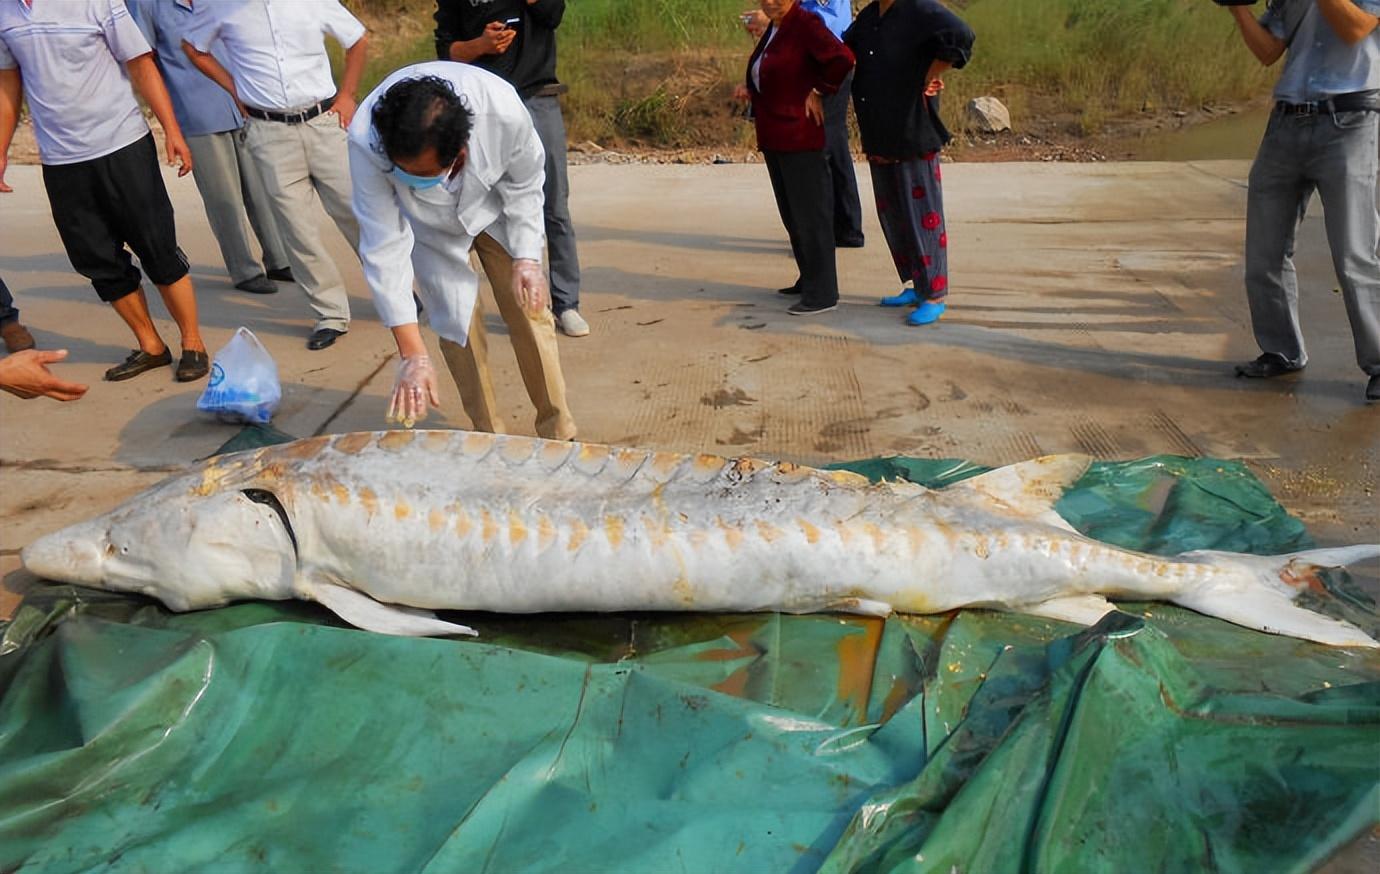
{"x": 908, "y": 297}
{"x": 138, "y": 362}
{"x": 194, "y": 365}
{"x": 17, "y": 337}
{"x": 1373, "y": 389}
{"x": 851, "y": 241}
{"x": 258, "y": 285}
{"x": 1267, "y": 366}
{"x": 801, "y": 308}
{"x": 323, "y": 337}
{"x": 790, "y": 289}
{"x": 572, "y": 324}
{"x": 927, "y": 313}
{"x": 282, "y": 274}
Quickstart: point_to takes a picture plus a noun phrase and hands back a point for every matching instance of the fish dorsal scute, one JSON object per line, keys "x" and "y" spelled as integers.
{"x": 1028, "y": 489}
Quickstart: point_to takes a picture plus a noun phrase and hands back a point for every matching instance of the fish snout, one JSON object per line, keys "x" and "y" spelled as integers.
{"x": 72, "y": 555}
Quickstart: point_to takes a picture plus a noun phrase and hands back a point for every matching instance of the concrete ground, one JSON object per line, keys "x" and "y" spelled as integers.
{"x": 1095, "y": 308}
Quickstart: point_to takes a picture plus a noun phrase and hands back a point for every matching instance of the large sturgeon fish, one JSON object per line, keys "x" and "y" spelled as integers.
{"x": 382, "y": 528}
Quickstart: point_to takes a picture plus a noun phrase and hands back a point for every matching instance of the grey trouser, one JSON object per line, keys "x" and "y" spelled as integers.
{"x": 1336, "y": 155}
{"x": 231, "y": 188}
{"x": 295, "y": 161}
{"x": 847, "y": 208}
{"x": 560, "y": 234}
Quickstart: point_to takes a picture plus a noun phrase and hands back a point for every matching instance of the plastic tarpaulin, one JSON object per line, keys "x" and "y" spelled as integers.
{"x": 269, "y": 737}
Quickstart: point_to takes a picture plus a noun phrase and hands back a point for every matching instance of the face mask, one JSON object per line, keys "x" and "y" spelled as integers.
{"x": 417, "y": 183}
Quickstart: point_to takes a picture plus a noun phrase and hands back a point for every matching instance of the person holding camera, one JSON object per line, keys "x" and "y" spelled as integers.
{"x": 516, "y": 40}
{"x": 1322, "y": 136}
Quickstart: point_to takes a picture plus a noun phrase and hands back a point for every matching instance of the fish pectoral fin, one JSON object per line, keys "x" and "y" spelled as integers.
{"x": 861, "y": 606}
{"x": 1029, "y": 488}
{"x": 364, "y": 612}
{"x": 1082, "y": 609}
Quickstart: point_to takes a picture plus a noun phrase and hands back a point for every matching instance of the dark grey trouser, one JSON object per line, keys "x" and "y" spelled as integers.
{"x": 847, "y": 208}
{"x": 232, "y": 192}
{"x": 802, "y": 185}
{"x": 560, "y": 233}
{"x": 8, "y": 311}
{"x": 1335, "y": 154}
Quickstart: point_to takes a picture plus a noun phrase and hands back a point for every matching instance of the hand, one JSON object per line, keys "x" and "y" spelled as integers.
{"x": 529, "y": 286}
{"x": 755, "y": 22}
{"x": 26, "y": 375}
{"x": 4, "y": 162}
{"x": 814, "y": 107}
{"x": 179, "y": 153}
{"x": 741, "y": 93}
{"x": 414, "y": 391}
{"x": 496, "y": 38}
{"x": 344, "y": 107}
{"x": 934, "y": 87}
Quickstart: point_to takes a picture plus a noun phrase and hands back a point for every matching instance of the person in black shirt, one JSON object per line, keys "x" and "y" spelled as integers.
{"x": 903, "y": 48}
{"x": 516, "y": 39}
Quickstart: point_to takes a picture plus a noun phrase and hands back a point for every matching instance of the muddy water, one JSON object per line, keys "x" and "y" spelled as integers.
{"x": 1234, "y": 136}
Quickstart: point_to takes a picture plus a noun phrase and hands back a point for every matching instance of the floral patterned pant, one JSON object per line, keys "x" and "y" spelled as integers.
{"x": 910, "y": 206}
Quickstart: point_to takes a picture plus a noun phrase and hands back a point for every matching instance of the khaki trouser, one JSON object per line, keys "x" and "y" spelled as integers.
{"x": 534, "y": 342}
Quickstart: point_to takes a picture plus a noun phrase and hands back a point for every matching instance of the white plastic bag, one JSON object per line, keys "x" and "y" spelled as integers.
{"x": 244, "y": 383}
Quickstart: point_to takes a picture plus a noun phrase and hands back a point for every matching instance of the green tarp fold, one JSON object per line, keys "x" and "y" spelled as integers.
{"x": 269, "y": 737}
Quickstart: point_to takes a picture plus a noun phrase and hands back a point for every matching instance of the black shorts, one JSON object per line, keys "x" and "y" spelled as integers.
{"x": 103, "y": 204}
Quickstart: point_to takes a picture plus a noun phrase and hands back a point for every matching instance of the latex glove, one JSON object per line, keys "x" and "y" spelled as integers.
{"x": 414, "y": 391}
{"x": 529, "y": 286}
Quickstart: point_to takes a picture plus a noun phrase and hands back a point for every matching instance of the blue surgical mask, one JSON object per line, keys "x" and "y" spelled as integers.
{"x": 417, "y": 183}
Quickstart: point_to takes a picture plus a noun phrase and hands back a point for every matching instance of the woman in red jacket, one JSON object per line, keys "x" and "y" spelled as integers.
{"x": 796, "y": 61}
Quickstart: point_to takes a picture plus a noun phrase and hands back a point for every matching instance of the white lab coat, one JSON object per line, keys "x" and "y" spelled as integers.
{"x": 428, "y": 233}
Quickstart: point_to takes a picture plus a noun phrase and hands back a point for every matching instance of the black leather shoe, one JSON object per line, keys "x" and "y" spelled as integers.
{"x": 258, "y": 285}
{"x": 1373, "y": 389}
{"x": 138, "y": 362}
{"x": 1266, "y": 366}
{"x": 194, "y": 365}
{"x": 849, "y": 242}
{"x": 322, "y": 338}
{"x": 793, "y": 289}
{"x": 282, "y": 274}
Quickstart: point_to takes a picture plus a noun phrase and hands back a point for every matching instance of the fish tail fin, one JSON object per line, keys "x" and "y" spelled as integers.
{"x": 1257, "y": 591}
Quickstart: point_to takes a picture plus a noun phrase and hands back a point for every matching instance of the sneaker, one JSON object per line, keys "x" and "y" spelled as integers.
{"x": 1373, "y": 389}
{"x": 907, "y": 298}
{"x": 258, "y": 285}
{"x": 17, "y": 337}
{"x": 1267, "y": 366}
{"x": 138, "y": 362}
{"x": 802, "y": 308}
{"x": 927, "y": 313}
{"x": 572, "y": 324}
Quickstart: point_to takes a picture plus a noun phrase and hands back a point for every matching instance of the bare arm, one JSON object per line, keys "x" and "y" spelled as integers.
{"x": 211, "y": 68}
{"x": 11, "y": 92}
{"x": 26, "y": 375}
{"x": 148, "y": 83}
{"x": 1266, "y": 47}
{"x": 409, "y": 339}
{"x": 493, "y": 41}
{"x": 345, "y": 104}
{"x": 934, "y": 78}
{"x": 1350, "y": 22}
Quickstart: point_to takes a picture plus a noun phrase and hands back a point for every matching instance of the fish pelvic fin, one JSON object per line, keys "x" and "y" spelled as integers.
{"x": 1028, "y": 489}
{"x": 1082, "y": 609}
{"x": 364, "y": 612}
{"x": 1258, "y": 591}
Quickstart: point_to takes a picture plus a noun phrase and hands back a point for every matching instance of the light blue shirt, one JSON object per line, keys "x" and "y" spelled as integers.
{"x": 1317, "y": 64}
{"x": 836, "y": 14}
{"x": 202, "y": 107}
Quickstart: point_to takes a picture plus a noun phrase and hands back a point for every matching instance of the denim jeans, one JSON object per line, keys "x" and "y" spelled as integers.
{"x": 1335, "y": 154}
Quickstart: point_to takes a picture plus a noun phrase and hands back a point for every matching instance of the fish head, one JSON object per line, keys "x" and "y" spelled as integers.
{"x": 189, "y": 547}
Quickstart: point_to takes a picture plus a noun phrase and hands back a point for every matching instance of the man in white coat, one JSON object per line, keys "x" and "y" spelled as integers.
{"x": 444, "y": 160}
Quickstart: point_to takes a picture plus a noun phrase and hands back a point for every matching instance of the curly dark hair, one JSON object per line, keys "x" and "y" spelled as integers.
{"x": 416, "y": 114}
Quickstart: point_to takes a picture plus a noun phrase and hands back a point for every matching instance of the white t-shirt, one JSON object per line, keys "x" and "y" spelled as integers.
{"x": 71, "y": 55}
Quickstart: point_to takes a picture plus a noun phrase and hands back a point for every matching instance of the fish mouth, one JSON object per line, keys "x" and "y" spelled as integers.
{"x": 72, "y": 555}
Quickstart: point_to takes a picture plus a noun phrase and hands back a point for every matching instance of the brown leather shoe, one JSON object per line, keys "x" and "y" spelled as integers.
{"x": 194, "y": 365}
{"x": 138, "y": 362}
{"x": 17, "y": 337}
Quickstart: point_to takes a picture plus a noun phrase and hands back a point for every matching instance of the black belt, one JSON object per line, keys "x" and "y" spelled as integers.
{"x": 1356, "y": 101}
{"x": 290, "y": 117}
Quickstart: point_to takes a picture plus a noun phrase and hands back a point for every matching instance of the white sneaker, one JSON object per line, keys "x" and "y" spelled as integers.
{"x": 572, "y": 324}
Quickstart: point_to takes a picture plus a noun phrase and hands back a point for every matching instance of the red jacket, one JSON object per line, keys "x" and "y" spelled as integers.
{"x": 803, "y": 55}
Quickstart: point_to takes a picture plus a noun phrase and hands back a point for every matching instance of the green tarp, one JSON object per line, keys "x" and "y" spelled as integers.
{"x": 267, "y": 737}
